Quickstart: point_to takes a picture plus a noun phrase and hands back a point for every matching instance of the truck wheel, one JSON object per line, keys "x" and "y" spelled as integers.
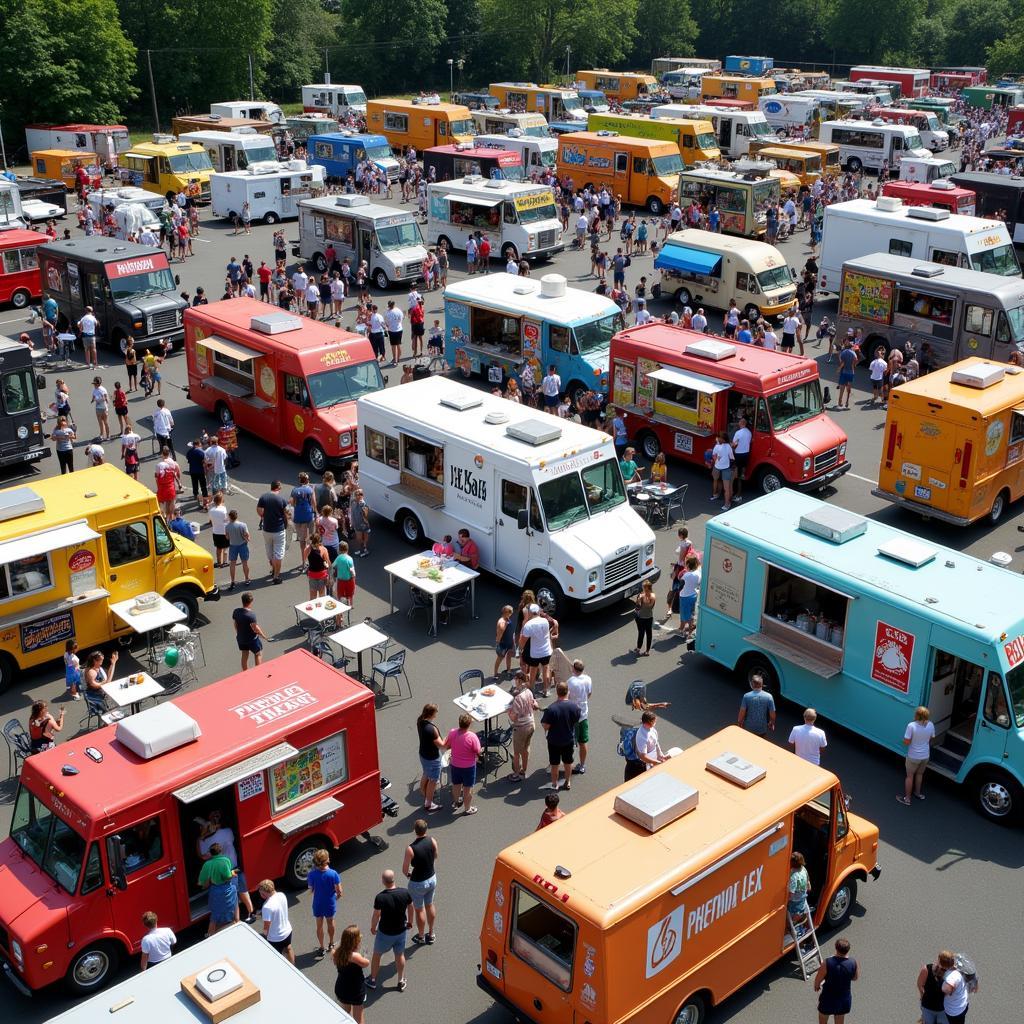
{"x": 92, "y": 969}
{"x": 549, "y": 595}
{"x": 840, "y": 906}
{"x": 380, "y": 279}
{"x": 320, "y": 262}
{"x": 300, "y": 861}
{"x": 650, "y": 445}
{"x": 655, "y": 206}
{"x": 121, "y": 342}
{"x": 998, "y": 796}
{"x": 8, "y": 670}
{"x": 223, "y": 413}
{"x": 576, "y": 390}
{"x": 684, "y": 298}
{"x": 995, "y": 513}
{"x": 509, "y": 252}
{"x": 270, "y": 218}
{"x": 693, "y": 1011}
{"x": 185, "y": 601}
{"x": 751, "y": 312}
{"x": 758, "y": 665}
{"x": 853, "y": 165}
{"x": 20, "y": 299}
{"x": 411, "y": 527}
{"x": 770, "y": 479}
{"x": 316, "y": 457}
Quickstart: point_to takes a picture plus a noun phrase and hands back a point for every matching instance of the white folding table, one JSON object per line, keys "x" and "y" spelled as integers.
{"x": 453, "y": 574}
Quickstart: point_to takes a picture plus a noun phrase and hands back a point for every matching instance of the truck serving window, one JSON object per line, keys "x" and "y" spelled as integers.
{"x": 27, "y": 576}
{"x": 313, "y": 769}
{"x": 543, "y": 938}
{"x": 47, "y": 841}
{"x": 796, "y": 603}
{"x": 937, "y": 308}
{"x": 381, "y": 448}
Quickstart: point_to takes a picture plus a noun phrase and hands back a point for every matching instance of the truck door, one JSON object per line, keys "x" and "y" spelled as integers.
{"x": 366, "y": 246}
{"x": 513, "y": 546}
{"x": 99, "y": 298}
{"x": 227, "y": 158}
{"x": 129, "y": 551}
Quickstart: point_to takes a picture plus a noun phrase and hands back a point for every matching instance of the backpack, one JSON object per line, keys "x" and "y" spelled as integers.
{"x": 637, "y": 690}
{"x": 966, "y": 967}
{"x": 627, "y": 743}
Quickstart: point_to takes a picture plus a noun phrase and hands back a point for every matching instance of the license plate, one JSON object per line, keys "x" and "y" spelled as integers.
{"x": 492, "y": 970}
{"x": 633, "y": 591}
{"x": 924, "y": 493}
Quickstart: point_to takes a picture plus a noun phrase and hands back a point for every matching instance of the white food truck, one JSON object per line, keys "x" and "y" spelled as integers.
{"x": 234, "y": 151}
{"x": 125, "y": 195}
{"x": 273, "y": 190}
{"x": 337, "y": 100}
{"x": 735, "y": 129}
{"x": 389, "y": 240}
{"x": 537, "y": 154}
{"x": 519, "y": 219}
{"x": 542, "y": 497}
{"x": 253, "y": 110}
{"x": 130, "y": 218}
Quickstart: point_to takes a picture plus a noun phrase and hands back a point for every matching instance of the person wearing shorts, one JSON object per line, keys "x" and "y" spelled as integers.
{"x": 327, "y": 890}
{"x": 521, "y": 715}
{"x": 418, "y": 867}
{"x": 559, "y": 722}
{"x": 237, "y": 534}
{"x": 392, "y": 918}
{"x": 248, "y": 633}
{"x": 343, "y": 569}
{"x": 465, "y": 747}
{"x": 722, "y": 458}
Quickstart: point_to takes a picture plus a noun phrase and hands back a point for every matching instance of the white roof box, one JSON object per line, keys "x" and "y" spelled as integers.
{"x": 889, "y": 203}
{"x": 713, "y": 350}
{"x": 943, "y": 183}
{"x": 908, "y": 551}
{"x": 736, "y": 769}
{"x": 460, "y": 401}
{"x": 928, "y": 213}
{"x": 245, "y": 129}
{"x": 552, "y": 285}
{"x": 299, "y": 165}
{"x": 834, "y": 524}
{"x": 656, "y": 801}
{"x": 352, "y": 201}
{"x": 535, "y": 431}
{"x": 275, "y": 323}
{"x": 978, "y": 375}
{"x": 19, "y": 501}
{"x": 153, "y": 732}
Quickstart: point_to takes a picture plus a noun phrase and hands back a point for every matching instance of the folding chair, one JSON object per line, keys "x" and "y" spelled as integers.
{"x": 19, "y": 745}
{"x": 418, "y": 601}
{"x": 642, "y": 503}
{"x": 452, "y": 601}
{"x": 474, "y": 677}
{"x": 676, "y": 502}
{"x": 180, "y": 634}
{"x": 499, "y": 740}
{"x": 391, "y": 669}
{"x": 96, "y": 708}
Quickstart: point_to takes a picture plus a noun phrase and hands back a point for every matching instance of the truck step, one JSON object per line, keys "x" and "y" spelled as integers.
{"x": 955, "y": 745}
{"x": 943, "y": 758}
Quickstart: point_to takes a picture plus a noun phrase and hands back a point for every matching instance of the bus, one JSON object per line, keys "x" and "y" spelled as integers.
{"x": 998, "y": 196}
{"x": 735, "y": 128}
{"x": 872, "y": 143}
{"x": 933, "y": 135}
{"x": 742, "y": 200}
{"x": 695, "y": 138}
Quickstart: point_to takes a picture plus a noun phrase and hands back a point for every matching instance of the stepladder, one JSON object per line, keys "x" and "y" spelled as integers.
{"x": 808, "y": 953}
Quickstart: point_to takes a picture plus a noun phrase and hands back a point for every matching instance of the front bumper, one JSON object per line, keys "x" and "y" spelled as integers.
{"x": 624, "y": 590}
{"x": 11, "y": 975}
{"x": 551, "y": 250}
{"x": 19, "y": 458}
{"x": 213, "y": 595}
{"x": 818, "y": 482}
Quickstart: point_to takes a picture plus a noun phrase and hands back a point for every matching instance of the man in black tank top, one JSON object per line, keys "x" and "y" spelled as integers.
{"x": 418, "y": 867}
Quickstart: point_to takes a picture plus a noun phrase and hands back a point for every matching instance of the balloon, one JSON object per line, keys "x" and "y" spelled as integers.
{"x": 171, "y": 657}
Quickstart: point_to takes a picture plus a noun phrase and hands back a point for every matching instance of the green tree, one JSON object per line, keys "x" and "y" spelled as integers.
{"x": 1006, "y": 55}
{"x": 864, "y": 31}
{"x": 300, "y": 31}
{"x": 65, "y": 60}
{"x": 663, "y": 28}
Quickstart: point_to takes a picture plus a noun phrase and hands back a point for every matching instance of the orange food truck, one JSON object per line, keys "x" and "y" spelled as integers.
{"x": 658, "y": 899}
{"x": 288, "y": 379}
{"x": 63, "y": 163}
{"x": 678, "y": 388}
{"x": 107, "y": 825}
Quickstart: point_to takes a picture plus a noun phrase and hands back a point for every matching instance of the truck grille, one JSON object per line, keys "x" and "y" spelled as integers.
{"x": 826, "y": 460}
{"x": 164, "y": 321}
{"x": 619, "y": 569}
{"x": 546, "y": 239}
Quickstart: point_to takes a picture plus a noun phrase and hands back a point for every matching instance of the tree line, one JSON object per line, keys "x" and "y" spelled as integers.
{"x": 89, "y": 60}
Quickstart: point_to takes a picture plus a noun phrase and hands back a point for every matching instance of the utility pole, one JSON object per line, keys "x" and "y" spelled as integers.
{"x": 252, "y": 89}
{"x": 568, "y": 54}
{"x": 3, "y": 151}
{"x": 152, "y": 91}
{"x": 327, "y": 65}
{"x": 451, "y": 77}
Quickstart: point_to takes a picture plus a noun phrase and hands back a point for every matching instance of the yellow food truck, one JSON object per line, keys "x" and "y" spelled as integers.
{"x": 167, "y": 167}
{"x": 827, "y": 153}
{"x": 618, "y": 85}
{"x": 801, "y": 163}
{"x": 420, "y": 123}
{"x": 696, "y": 139}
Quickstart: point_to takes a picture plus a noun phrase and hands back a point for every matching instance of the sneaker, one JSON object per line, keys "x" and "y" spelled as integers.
{"x": 320, "y": 951}
{"x": 579, "y": 769}
{"x": 277, "y": 580}
{"x": 430, "y": 939}
{"x": 402, "y": 984}
{"x": 78, "y": 696}
{"x": 418, "y": 940}
{"x": 371, "y": 982}
{"x": 514, "y": 778}
{"x": 430, "y": 808}
{"x": 550, "y": 785}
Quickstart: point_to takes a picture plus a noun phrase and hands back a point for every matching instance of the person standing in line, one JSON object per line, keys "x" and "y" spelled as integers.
{"x": 430, "y": 747}
{"x": 847, "y": 366}
{"x": 833, "y": 980}
{"x": 551, "y": 388}
{"x": 277, "y": 929}
{"x": 88, "y": 325}
{"x": 722, "y": 457}
{"x": 929, "y": 987}
{"x": 196, "y": 459}
{"x": 918, "y": 739}
{"x": 392, "y": 918}
{"x": 318, "y": 566}
{"x": 581, "y": 688}
{"x": 394, "y": 320}
{"x": 559, "y": 721}
{"x": 521, "y": 715}
{"x": 101, "y": 402}
{"x": 504, "y": 640}
{"x": 343, "y": 569}
{"x": 807, "y": 740}
{"x": 359, "y": 516}
{"x": 741, "y": 442}
{"x": 535, "y": 645}
{"x": 419, "y": 867}
{"x": 168, "y": 479}
{"x": 64, "y": 439}
{"x": 688, "y": 595}
{"x": 218, "y": 514}
{"x": 350, "y": 983}
{"x": 156, "y": 943}
{"x": 273, "y": 513}
{"x": 757, "y": 709}
{"x": 163, "y": 427}
{"x": 327, "y": 889}
{"x": 301, "y": 501}
{"x": 217, "y": 465}
{"x": 238, "y": 537}
{"x": 955, "y": 993}
{"x": 878, "y": 369}
{"x": 643, "y": 616}
{"x": 249, "y": 634}
{"x": 465, "y": 747}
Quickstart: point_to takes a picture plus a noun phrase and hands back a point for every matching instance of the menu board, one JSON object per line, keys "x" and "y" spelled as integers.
{"x": 866, "y": 298}
{"x": 645, "y": 386}
{"x": 312, "y": 770}
{"x": 623, "y": 379}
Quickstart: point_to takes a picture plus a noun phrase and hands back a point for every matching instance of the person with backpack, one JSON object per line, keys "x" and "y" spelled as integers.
{"x": 929, "y": 986}
{"x": 955, "y": 987}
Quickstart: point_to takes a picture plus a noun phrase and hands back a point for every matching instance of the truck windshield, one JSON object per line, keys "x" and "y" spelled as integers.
{"x": 535, "y": 213}
{"x": 1016, "y": 321}
{"x": 345, "y": 384}
{"x": 572, "y": 103}
{"x": 776, "y": 277}
{"x": 547, "y": 157}
{"x": 706, "y": 140}
{"x": 790, "y": 407}
{"x": 1001, "y": 260}
{"x": 355, "y": 98}
{"x": 465, "y": 126}
{"x": 758, "y": 129}
{"x": 142, "y": 284}
{"x": 395, "y": 236}
{"x": 258, "y": 154}
{"x": 182, "y": 163}
{"x": 913, "y": 142}
{"x": 1015, "y": 684}
{"x": 672, "y": 163}
{"x": 568, "y": 499}
{"x": 379, "y": 153}
{"x": 598, "y": 333}
{"x": 47, "y": 841}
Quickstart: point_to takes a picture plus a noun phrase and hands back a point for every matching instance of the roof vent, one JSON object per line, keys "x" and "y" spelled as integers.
{"x": 535, "y": 431}
{"x": 908, "y": 551}
{"x": 299, "y": 165}
{"x": 943, "y": 183}
{"x": 709, "y": 349}
{"x": 552, "y": 286}
{"x": 834, "y": 524}
{"x": 928, "y": 270}
{"x": 515, "y": 133}
{"x": 496, "y": 416}
{"x": 890, "y": 204}
{"x": 472, "y": 179}
{"x": 275, "y": 323}
{"x": 462, "y": 400}
{"x": 350, "y": 201}
{"x": 978, "y": 375}
{"x": 264, "y": 167}
{"x": 162, "y": 140}
{"x": 495, "y": 183}
{"x": 656, "y": 801}
{"x": 157, "y": 730}
{"x": 525, "y": 287}
{"x": 19, "y": 501}
{"x": 735, "y": 769}
{"x": 928, "y": 213}
{"x": 245, "y": 129}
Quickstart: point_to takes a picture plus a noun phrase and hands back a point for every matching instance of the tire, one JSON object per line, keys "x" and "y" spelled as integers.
{"x": 300, "y": 861}
{"x": 320, "y": 262}
{"x": 316, "y": 457}
{"x": 655, "y": 206}
{"x": 576, "y": 390}
{"x": 410, "y": 527}
{"x": 995, "y": 513}
{"x": 998, "y": 796}
{"x": 380, "y": 279}
{"x": 854, "y": 164}
{"x": 8, "y": 671}
{"x": 758, "y": 664}
{"x": 649, "y": 445}
{"x": 92, "y": 969}
{"x": 769, "y": 479}
{"x": 693, "y": 1011}
{"x": 185, "y": 601}
{"x": 840, "y": 904}
{"x": 223, "y": 413}
{"x": 751, "y": 312}
{"x": 271, "y": 218}
{"x": 509, "y": 252}
{"x": 549, "y": 595}
{"x": 684, "y": 297}
{"x": 121, "y": 342}
{"x": 20, "y": 299}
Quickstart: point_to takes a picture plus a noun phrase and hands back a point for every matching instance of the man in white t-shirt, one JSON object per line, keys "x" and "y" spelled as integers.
{"x": 156, "y": 943}
{"x": 790, "y": 331}
{"x": 277, "y": 929}
{"x": 771, "y": 339}
{"x": 580, "y": 689}
{"x": 551, "y": 388}
{"x": 807, "y": 740}
{"x": 741, "y": 442}
{"x": 699, "y": 321}
{"x": 88, "y": 326}
{"x": 722, "y": 457}
{"x": 300, "y": 282}
{"x": 536, "y": 631}
{"x": 648, "y": 746}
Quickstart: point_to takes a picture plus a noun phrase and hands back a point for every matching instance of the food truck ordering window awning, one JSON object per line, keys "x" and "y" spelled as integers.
{"x": 34, "y": 544}
{"x": 234, "y": 773}
{"x": 475, "y": 200}
{"x": 694, "y": 381}
{"x": 230, "y": 348}
{"x": 694, "y": 261}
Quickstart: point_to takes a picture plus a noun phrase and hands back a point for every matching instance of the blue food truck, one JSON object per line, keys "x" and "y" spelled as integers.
{"x": 866, "y": 623}
{"x": 338, "y": 153}
{"x": 497, "y": 323}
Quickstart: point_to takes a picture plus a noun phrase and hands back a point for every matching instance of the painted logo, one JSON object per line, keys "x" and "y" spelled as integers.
{"x": 81, "y": 560}
{"x": 994, "y": 437}
{"x": 665, "y": 941}
{"x": 894, "y": 652}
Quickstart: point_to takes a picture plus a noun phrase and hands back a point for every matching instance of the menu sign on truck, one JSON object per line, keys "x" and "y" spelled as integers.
{"x": 894, "y": 652}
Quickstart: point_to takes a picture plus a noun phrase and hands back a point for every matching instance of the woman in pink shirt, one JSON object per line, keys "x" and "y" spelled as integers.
{"x": 465, "y": 748}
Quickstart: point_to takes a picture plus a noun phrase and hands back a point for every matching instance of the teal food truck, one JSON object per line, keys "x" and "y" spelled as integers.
{"x": 866, "y": 623}
{"x": 497, "y": 323}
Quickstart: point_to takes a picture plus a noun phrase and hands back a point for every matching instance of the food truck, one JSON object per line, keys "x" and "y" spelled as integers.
{"x": 235, "y": 150}
{"x": 662, "y": 896}
{"x": 897, "y": 301}
{"x": 594, "y": 101}
{"x": 305, "y": 125}
{"x": 51, "y": 191}
{"x": 130, "y": 287}
{"x": 273, "y": 190}
{"x": 791, "y": 113}
{"x": 543, "y": 497}
{"x": 865, "y": 623}
{"x": 684, "y": 83}
{"x": 537, "y": 155}
{"x": 21, "y": 422}
{"x": 290, "y": 380}
{"x": 801, "y": 163}
{"x": 285, "y": 753}
{"x": 953, "y": 447}
{"x": 644, "y": 172}
{"x": 913, "y": 82}
{"x": 742, "y": 199}
{"x": 255, "y": 110}
{"x": 927, "y": 123}
{"x": 74, "y": 545}
{"x": 694, "y": 137}
{"x": 19, "y": 266}
{"x": 124, "y": 196}
{"x": 337, "y": 100}
{"x": 167, "y": 167}
{"x": 954, "y": 79}
{"x": 736, "y": 87}
{"x": 757, "y": 67}
{"x": 989, "y": 97}
{"x": 419, "y": 123}
{"x": 106, "y": 141}
{"x": 388, "y": 239}
{"x": 339, "y": 153}
{"x": 453, "y": 163}
{"x": 12, "y": 214}
{"x": 215, "y": 123}
{"x": 736, "y": 129}
{"x": 662, "y": 64}
{"x": 679, "y": 388}
{"x": 519, "y": 218}
{"x": 496, "y": 323}
{"x": 554, "y": 103}
{"x": 63, "y": 163}
{"x": 940, "y": 193}
{"x": 618, "y": 85}
{"x": 501, "y": 122}
{"x": 707, "y": 268}
{"x": 999, "y": 195}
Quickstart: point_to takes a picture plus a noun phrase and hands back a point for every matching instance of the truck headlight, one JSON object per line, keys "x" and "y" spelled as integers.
{"x": 399, "y": 271}
{"x": 842, "y": 448}
{"x": 592, "y": 576}
{"x": 649, "y": 550}
{"x": 807, "y": 465}
{"x": 531, "y": 241}
{"x": 344, "y": 439}
{"x": 16, "y": 952}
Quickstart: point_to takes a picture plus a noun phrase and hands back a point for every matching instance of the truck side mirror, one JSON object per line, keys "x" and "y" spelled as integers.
{"x": 40, "y": 381}
{"x": 522, "y": 518}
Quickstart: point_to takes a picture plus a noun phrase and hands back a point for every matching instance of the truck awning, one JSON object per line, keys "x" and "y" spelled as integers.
{"x": 681, "y": 257}
{"x": 45, "y": 541}
{"x": 230, "y": 348}
{"x": 695, "y": 381}
{"x": 475, "y": 200}
{"x": 234, "y": 773}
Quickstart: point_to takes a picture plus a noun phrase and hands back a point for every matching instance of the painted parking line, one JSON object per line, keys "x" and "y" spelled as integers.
{"x": 866, "y": 479}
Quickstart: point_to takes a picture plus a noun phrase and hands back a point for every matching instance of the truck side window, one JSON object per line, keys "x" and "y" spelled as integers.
{"x": 513, "y": 498}
{"x": 1016, "y": 427}
{"x": 640, "y": 166}
{"x": 382, "y": 448}
{"x": 761, "y": 421}
{"x": 558, "y": 338}
{"x": 899, "y": 247}
{"x": 543, "y": 938}
{"x": 162, "y": 537}
{"x": 19, "y": 391}
{"x": 295, "y": 389}
{"x": 621, "y": 163}
{"x": 28, "y": 575}
{"x": 996, "y": 709}
{"x": 93, "y": 877}
{"x": 978, "y": 320}
{"x": 508, "y": 213}
{"x": 741, "y": 282}
{"x": 127, "y": 543}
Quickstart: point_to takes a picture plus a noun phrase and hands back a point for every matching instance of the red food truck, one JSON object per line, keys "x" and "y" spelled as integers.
{"x": 940, "y": 193}
{"x": 678, "y": 388}
{"x": 107, "y": 825}
{"x": 453, "y": 163}
{"x": 288, "y": 379}
{"x": 19, "y": 266}
{"x": 1014, "y": 121}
